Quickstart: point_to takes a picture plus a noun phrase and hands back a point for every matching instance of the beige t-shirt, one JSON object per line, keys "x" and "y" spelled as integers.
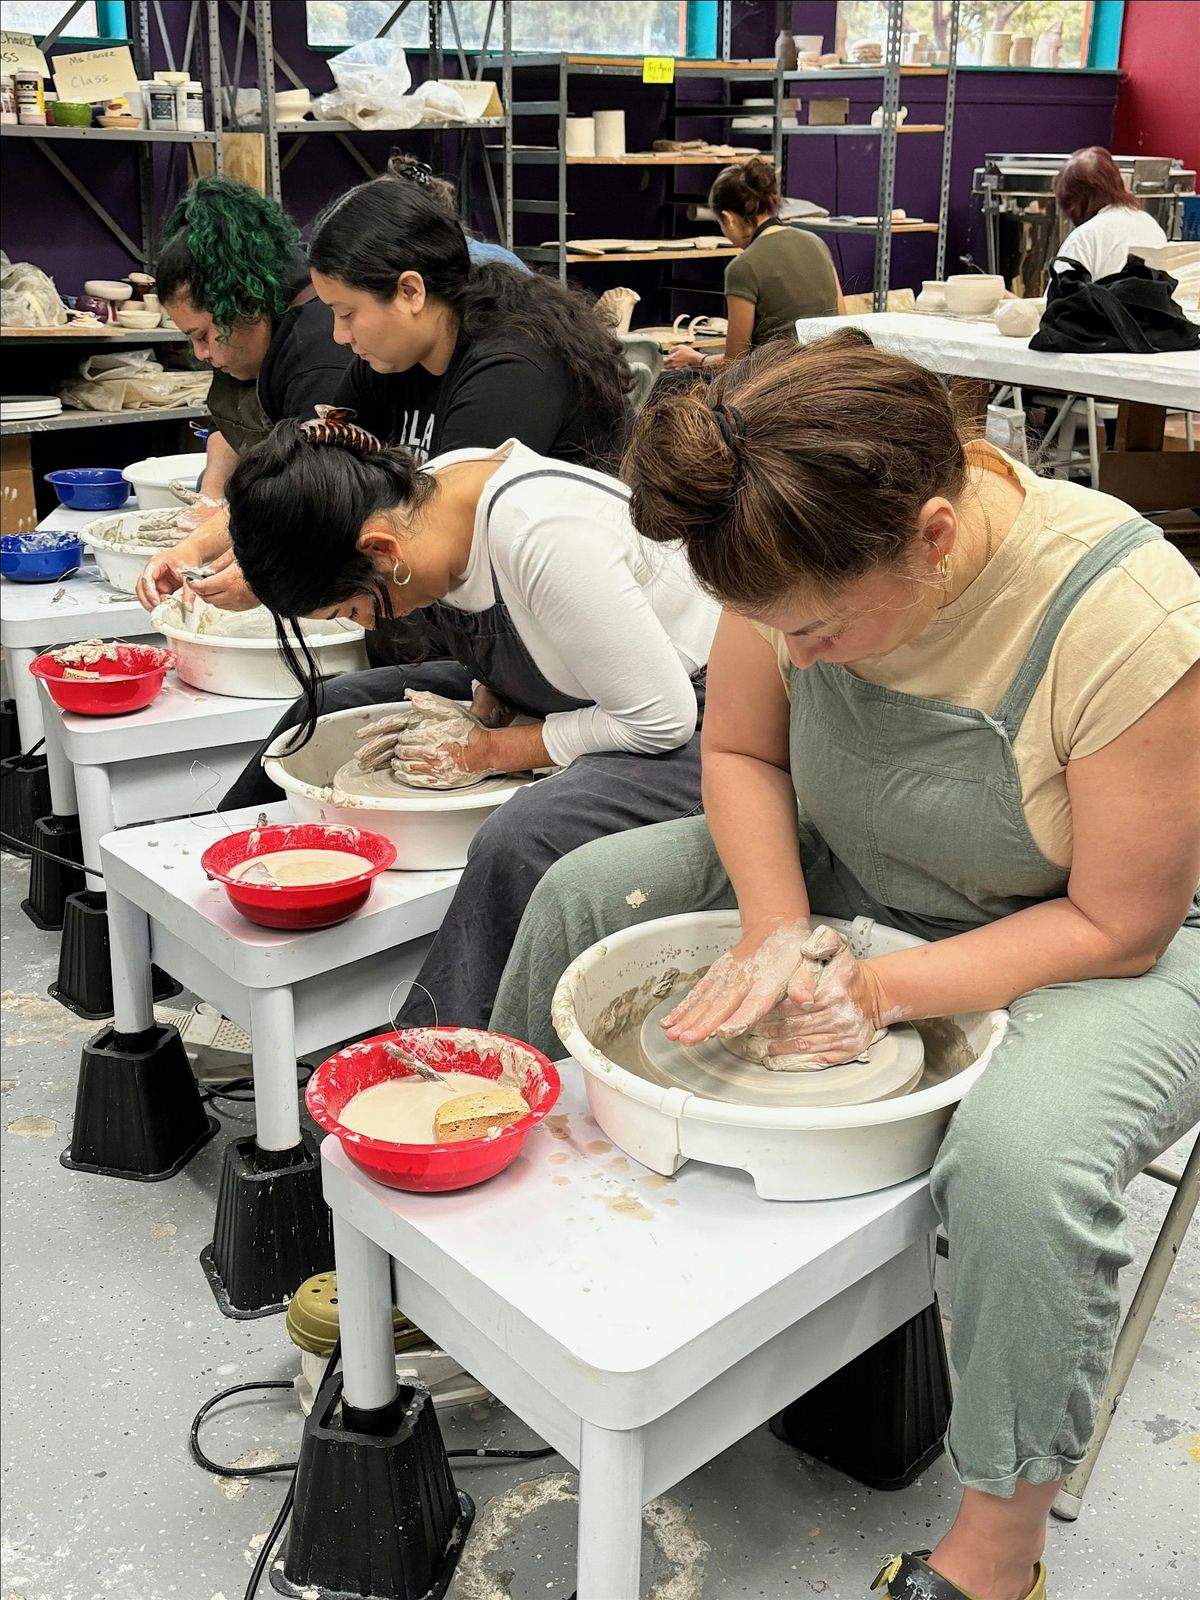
{"x": 1128, "y": 640}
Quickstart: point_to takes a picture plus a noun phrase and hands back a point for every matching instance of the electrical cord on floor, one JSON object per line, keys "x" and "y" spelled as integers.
{"x": 37, "y": 850}
{"x": 202, "y": 1459}
{"x": 240, "y": 1091}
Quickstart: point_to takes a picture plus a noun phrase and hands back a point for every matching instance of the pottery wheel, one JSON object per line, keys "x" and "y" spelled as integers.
{"x": 350, "y": 779}
{"x": 892, "y": 1067}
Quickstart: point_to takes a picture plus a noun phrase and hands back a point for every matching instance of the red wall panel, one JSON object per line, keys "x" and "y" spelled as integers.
{"x": 1157, "y": 104}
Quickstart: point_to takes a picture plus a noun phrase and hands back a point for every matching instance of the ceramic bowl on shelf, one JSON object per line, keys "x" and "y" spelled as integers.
{"x": 72, "y": 114}
{"x": 111, "y": 289}
{"x": 140, "y": 321}
{"x": 973, "y": 294}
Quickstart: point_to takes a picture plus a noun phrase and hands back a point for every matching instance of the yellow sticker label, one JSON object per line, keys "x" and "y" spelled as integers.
{"x": 658, "y": 69}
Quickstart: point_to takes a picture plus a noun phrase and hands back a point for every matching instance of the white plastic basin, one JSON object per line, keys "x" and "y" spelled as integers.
{"x": 792, "y": 1153}
{"x": 151, "y": 477}
{"x": 254, "y": 669}
{"x": 123, "y": 567}
{"x": 431, "y": 831}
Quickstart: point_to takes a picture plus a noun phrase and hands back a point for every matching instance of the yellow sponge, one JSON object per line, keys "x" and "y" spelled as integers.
{"x": 472, "y": 1116}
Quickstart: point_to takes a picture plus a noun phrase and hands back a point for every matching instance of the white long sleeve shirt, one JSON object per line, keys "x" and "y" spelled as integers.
{"x": 1104, "y": 242}
{"x": 606, "y": 615}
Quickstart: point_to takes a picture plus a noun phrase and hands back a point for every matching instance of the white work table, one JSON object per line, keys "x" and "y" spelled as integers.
{"x": 135, "y": 768}
{"x": 42, "y": 616}
{"x": 293, "y": 992}
{"x": 639, "y": 1325}
{"x": 980, "y": 350}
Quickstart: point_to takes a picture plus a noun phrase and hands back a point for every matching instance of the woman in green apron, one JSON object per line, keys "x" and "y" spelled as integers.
{"x": 234, "y": 279}
{"x": 964, "y": 701}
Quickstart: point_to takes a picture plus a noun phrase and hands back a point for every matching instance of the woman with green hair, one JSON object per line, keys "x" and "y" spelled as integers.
{"x": 234, "y": 278}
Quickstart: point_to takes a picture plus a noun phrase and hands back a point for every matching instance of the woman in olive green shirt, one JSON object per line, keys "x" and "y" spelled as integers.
{"x": 782, "y": 273}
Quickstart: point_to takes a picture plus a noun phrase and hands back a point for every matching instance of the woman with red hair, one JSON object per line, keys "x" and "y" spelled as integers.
{"x": 1107, "y": 221}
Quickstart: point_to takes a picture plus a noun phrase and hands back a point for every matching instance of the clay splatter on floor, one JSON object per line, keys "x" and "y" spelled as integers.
{"x": 599, "y": 1147}
{"x": 32, "y": 1019}
{"x": 33, "y": 1127}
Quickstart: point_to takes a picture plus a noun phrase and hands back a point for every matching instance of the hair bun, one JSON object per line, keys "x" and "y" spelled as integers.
{"x": 334, "y": 426}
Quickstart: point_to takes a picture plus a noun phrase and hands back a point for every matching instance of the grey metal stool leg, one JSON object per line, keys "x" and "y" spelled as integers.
{"x": 1136, "y": 1325}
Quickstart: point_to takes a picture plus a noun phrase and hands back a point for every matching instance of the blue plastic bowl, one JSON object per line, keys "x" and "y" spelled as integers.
{"x": 39, "y": 557}
{"x": 90, "y": 488}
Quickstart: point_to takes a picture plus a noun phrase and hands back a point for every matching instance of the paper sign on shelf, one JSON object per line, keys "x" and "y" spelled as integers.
{"x": 658, "y": 69}
{"x": 19, "y": 53}
{"x": 93, "y": 75}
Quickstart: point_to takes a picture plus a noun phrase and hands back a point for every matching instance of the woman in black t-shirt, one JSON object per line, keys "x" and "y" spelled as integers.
{"x": 456, "y": 354}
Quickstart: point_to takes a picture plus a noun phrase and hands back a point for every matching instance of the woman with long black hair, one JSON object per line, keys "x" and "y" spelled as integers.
{"x": 456, "y": 355}
{"x": 544, "y": 596}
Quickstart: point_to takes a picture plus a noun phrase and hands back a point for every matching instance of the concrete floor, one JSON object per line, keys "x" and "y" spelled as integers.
{"x": 112, "y": 1341}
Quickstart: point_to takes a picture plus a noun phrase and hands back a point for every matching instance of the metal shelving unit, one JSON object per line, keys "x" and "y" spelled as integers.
{"x": 102, "y": 419}
{"x": 20, "y": 338}
{"x": 884, "y": 230}
{"x": 200, "y": 57}
{"x": 727, "y": 73}
{"x": 254, "y": 17}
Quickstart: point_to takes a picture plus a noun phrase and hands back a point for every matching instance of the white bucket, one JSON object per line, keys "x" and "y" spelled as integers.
{"x": 150, "y": 478}
{"x": 431, "y": 831}
{"x": 792, "y": 1153}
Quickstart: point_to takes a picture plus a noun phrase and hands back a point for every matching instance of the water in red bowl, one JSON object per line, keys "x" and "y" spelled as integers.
{"x": 116, "y": 687}
{"x": 430, "y": 1168}
{"x": 321, "y": 885}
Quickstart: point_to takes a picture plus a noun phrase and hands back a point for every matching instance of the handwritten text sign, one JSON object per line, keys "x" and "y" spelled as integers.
{"x": 658, "y": 69}
{"x": 19, "y": 53}
{"x": 92, "y": 75}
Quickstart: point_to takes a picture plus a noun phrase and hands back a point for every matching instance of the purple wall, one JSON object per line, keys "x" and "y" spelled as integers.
{"x": 44, "y": 221}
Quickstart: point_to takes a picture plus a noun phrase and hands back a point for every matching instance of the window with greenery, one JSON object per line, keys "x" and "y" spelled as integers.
{"x": 609, "y": 27}
{"x": 1070, "y": 19}
{"x": 40, "y": 16}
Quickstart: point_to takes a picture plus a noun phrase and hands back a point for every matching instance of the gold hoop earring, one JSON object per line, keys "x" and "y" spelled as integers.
{"x": 397, "y": 579}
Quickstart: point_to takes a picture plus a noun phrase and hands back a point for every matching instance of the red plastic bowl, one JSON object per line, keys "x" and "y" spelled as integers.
{"x": 126, "y": 684}
{"x": 310, "y": 905}
{"x": 427, "y": 1168}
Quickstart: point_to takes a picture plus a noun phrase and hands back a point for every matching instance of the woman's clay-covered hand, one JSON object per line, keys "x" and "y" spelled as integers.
{"x": 226, "y": 589}
{"x": 159, "y": 579}
{"x": 683, "y": 355}
{"x": 834, "y": 1006}
{"x": 743, "y": 985}
{"x": 428, "y": 743}
{"x": 198, "y": 513}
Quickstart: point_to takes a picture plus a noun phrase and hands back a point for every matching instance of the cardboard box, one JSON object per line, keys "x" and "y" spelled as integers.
{"x": 18, "y": 508}
{"x": 828, "y": 113}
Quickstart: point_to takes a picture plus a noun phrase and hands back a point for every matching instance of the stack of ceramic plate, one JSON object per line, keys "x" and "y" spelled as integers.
{"x": 28, "y": 407}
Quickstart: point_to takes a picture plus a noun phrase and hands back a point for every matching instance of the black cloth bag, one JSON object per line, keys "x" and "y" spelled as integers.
{"x": 1129, "y": 311}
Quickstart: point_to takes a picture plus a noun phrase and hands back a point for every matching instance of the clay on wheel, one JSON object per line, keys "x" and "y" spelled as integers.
{"x": 756, "y": 1047}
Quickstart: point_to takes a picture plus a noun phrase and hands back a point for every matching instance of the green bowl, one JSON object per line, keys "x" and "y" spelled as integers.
{"x": 72, "y": 114}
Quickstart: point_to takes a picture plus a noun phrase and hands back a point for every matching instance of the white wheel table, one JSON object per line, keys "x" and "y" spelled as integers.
{"x": 640, "y": 1326}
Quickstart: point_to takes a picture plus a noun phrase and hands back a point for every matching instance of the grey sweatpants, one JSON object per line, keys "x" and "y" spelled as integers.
{"x": 1091, "y": 1082}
